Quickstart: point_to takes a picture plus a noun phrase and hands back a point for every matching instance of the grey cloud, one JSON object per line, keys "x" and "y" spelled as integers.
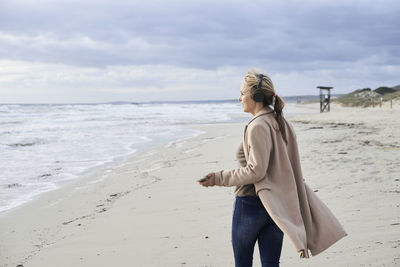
{"x": 283, "y": 35}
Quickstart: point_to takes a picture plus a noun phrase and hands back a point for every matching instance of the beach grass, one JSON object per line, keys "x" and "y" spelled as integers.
{"x": 367, "y": 97}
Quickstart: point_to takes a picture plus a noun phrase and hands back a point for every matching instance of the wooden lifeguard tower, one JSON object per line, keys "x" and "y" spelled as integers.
{"x": 324, "y": 98}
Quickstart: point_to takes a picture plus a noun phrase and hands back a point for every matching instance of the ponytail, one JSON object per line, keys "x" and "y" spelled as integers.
{"x": 278, "y": 107}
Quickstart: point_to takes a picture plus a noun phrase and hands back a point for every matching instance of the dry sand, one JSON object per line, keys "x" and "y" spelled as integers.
{"x": 150, "y": 211}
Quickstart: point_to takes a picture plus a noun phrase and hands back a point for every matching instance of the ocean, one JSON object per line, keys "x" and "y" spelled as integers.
{"x": 45, "y": 146}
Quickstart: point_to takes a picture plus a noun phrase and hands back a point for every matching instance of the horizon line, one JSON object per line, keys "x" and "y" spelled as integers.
{"x": 147, "y": 102}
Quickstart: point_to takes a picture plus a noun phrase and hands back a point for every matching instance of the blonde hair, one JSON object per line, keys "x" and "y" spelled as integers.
{"x": 266, "y": 86}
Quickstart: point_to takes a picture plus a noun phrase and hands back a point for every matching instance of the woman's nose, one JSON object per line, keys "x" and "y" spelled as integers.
{"x": 240, "y": 99}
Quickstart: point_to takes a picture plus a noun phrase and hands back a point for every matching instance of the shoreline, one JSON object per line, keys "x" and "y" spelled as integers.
{"x": 101, "y": 167}
{"x": 149, "y": 210}
{"x": 118, "y": 160}
{"x": 56, "y": 145}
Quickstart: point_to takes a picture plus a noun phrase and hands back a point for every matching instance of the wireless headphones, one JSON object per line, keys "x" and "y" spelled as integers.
{"x": 258, "y": 95}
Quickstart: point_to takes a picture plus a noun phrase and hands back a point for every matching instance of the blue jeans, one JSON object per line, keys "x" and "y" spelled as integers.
{"x": 252, "y": 223}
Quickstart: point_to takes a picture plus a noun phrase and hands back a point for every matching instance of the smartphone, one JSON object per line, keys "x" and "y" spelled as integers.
{"x": 203, "y": 179}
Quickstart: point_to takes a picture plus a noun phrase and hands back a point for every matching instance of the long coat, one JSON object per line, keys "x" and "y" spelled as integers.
{"x": 273, "y": 166}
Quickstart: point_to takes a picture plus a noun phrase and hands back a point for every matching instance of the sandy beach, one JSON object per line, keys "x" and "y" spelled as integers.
{"x": 149, "y": 211}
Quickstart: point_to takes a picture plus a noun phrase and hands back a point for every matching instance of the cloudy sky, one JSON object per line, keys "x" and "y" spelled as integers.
{"x": 127, "y": 50}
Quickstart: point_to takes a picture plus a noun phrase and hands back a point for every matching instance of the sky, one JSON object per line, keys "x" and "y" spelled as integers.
{"x": 126, "y": 50}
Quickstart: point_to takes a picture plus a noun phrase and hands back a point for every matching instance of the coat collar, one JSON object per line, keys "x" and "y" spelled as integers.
{"x": 263, "y": 111}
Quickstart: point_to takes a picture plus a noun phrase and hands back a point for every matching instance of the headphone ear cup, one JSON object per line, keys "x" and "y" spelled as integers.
{"x": 258, "y": 96}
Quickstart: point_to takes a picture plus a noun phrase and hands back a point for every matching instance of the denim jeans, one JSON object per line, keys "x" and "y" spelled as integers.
{"x": 252, "y": 223}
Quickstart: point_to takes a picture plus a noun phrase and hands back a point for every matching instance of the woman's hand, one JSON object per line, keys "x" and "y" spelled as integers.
{"x": 210, "y": 181}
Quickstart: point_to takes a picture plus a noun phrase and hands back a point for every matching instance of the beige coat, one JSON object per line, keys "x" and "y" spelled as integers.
{"x": 274, "y": 168}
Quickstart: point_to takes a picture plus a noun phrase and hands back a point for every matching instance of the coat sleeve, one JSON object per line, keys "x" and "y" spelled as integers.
{"x": 240, "y": 157}
{"x": 259, "y": 137}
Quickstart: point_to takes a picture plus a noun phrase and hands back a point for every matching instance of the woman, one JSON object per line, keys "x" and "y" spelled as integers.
{"x": 271, "y": 196}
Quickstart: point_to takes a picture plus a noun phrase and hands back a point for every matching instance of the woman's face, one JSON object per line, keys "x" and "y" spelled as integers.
{"x": 245, "y": 98}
